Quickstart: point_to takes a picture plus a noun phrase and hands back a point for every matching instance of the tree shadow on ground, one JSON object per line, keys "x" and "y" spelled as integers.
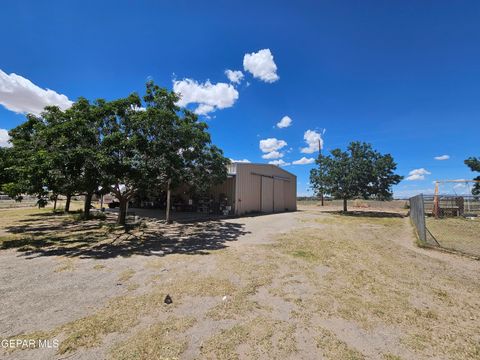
{"x": 369, "y": 213}
{"x": 102, "y": 240}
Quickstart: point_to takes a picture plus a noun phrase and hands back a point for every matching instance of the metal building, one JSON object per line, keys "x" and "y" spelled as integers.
{"x": 254, "y": 188}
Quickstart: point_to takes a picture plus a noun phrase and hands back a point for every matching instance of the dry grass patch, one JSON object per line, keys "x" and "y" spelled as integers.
{"x": 159, "y": 341}
{"x": 123, "y": 313}
{"x": 126, "y": 275}
{"x": 9, "y": 217}
{"x": 118, "y": 316}
{"x": 456, "y": 233}
{"x": 251, "y": 275}
{"x": 252, "y": 339}
{"x": 31, "y": 229}
{"x": 333, "y": 348}
{"x": 374, "y": 282}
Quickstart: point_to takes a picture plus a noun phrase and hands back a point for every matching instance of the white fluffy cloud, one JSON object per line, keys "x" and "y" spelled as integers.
{"x": 240, "y": 161}
{"x": 22, "y": 96}
{"x": 235, "y": 76}
{"x": 442, "y": 157}
{"x": 261, "y": 65}
{"x": 313, "y": 140}
{"x": 417, "y": 174}
{"x": 4, "y": 137}
{"x": 304, "y": 161}
{"x": 271, "y": 144}
{"x": 270, "y": 147}
{"x": 272, "y": 155}
{"x": 285, "y": 122}
{"x": 208, "y": 96}
{"x": 279, "y": 163}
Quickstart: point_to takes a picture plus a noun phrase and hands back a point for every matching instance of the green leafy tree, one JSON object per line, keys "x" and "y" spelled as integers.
{"x": 83, "y": 141}
{"x": 180, "y": 147}
{"x": 360, "y": 171}
{"x": 123, "y": 150}
{"x": 6, "y": 161}
{"x": 56, "y": 153}
{"x": 30, "y": 170}
{"x": 474, "y": 164}
{"x": 115, "y": 146}
{"x": 319, "y": 175}
{"x": 57, "y": 139}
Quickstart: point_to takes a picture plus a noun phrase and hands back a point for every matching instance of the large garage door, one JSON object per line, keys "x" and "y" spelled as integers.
{"x": 267, "y": 194}
{"x": 279, "y": 195}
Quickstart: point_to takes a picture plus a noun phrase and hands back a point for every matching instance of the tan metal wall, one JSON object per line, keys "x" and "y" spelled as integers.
{"x": 279, "y": 195}
{"x": 276, "y": 186}
{"x": 266, "y": 195}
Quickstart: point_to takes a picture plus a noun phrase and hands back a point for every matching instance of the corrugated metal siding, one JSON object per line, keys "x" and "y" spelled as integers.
{"x": 279, "y": 194}
{"x": 248, "y": 188}
{"x": 267, "y": 194}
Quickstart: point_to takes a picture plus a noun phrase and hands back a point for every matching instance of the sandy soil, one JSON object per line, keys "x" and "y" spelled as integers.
{"x": 305, "y": 285}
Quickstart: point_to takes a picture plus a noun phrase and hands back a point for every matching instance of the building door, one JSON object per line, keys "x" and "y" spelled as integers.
{"x": 267, "y": 194}
{"x": 278, "y": 195}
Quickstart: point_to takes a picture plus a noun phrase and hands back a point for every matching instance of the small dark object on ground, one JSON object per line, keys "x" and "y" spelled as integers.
{"x": 168, "y": 300}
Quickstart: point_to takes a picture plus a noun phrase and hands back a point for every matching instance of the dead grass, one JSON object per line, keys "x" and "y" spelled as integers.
{"x": 126, "y": 275}
{"x": 118, "y": 316}
{"x": 124, "y": 312}
{"x": 370, "y": 283}
{"x": 255, "y": 338}
{"x": 251, "y": 276}
{"x": 36, "y": 229}
{"x": 456, "y": 233}
{"x": 260, "y": 297}
{"x": 332, "y": 348}
{"x": 159, "y": 341}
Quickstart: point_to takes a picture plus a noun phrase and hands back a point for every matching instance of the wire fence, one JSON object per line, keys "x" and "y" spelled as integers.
{"x": 7, "y": 202}
{"x": 448, "y": 221}
{"x": 417, "y": 215}
{"x": 452, "y": 205}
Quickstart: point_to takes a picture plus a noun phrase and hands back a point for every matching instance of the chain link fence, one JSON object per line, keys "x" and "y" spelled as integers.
{"x": 453, "y": 224}
{"x": 417, "y": 215}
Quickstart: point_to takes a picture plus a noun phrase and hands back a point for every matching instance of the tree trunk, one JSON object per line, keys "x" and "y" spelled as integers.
{"x": 87, "y": 205}
{"x": 167, "y": 210}
{"x": 122, "y": 211}
{"x": 55, "y": 203}
{"x": 345, "y": 205}
{"x": 67, "y": 204}
{"x": 321, "y": 197}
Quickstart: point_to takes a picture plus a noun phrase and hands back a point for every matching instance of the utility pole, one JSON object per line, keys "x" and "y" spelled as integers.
{"x": 320, "y": 169}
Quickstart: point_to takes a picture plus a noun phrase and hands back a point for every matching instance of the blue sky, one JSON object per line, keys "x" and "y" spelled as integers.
{"x": 403, "y": 75}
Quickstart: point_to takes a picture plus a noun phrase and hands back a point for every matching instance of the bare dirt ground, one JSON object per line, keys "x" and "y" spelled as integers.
{"x": 310, "y": 284}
